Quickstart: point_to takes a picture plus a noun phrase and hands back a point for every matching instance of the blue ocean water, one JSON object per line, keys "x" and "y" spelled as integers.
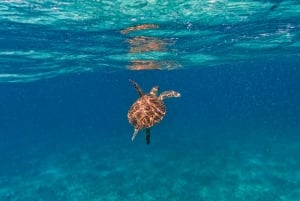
{"x": 64, "y": 79}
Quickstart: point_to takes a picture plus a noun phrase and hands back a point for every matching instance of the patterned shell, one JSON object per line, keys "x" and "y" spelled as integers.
{"x": 147, "y": 111}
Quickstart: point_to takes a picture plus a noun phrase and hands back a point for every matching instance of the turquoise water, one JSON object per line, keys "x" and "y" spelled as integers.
{"x": 232, "y": 135}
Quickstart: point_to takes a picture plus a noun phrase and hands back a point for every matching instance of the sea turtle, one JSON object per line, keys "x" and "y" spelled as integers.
{"x": 148, "y": 110}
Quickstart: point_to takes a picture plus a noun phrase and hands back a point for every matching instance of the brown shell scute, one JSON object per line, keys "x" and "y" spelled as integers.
{"x": 146, "y": 112}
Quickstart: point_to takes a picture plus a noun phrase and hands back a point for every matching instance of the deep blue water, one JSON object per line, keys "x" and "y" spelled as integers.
{"x": 68, "y": 138}
{"x": 233, "y": 134}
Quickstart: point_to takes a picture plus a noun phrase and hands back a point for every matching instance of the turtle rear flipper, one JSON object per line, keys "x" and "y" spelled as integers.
{"x": 148, "y": 135}
{"x": 134, "y": 133}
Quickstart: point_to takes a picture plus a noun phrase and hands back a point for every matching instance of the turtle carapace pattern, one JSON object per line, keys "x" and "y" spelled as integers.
{"x": 148, "y": 110}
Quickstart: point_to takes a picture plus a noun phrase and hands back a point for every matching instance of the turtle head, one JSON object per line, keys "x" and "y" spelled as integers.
{"x": 154, "y": 90}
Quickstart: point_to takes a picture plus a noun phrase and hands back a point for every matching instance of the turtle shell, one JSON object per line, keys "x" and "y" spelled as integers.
{"x": 147, "y": 111}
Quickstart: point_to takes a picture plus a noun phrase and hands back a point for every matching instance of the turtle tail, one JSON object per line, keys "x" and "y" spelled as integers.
{"x": 148, "y": 135}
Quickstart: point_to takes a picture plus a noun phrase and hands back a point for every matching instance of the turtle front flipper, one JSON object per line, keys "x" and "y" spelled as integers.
{"x": 137, "y": 87}
{"x": 148, "y": 135}
{"x": 169, "y": 94}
